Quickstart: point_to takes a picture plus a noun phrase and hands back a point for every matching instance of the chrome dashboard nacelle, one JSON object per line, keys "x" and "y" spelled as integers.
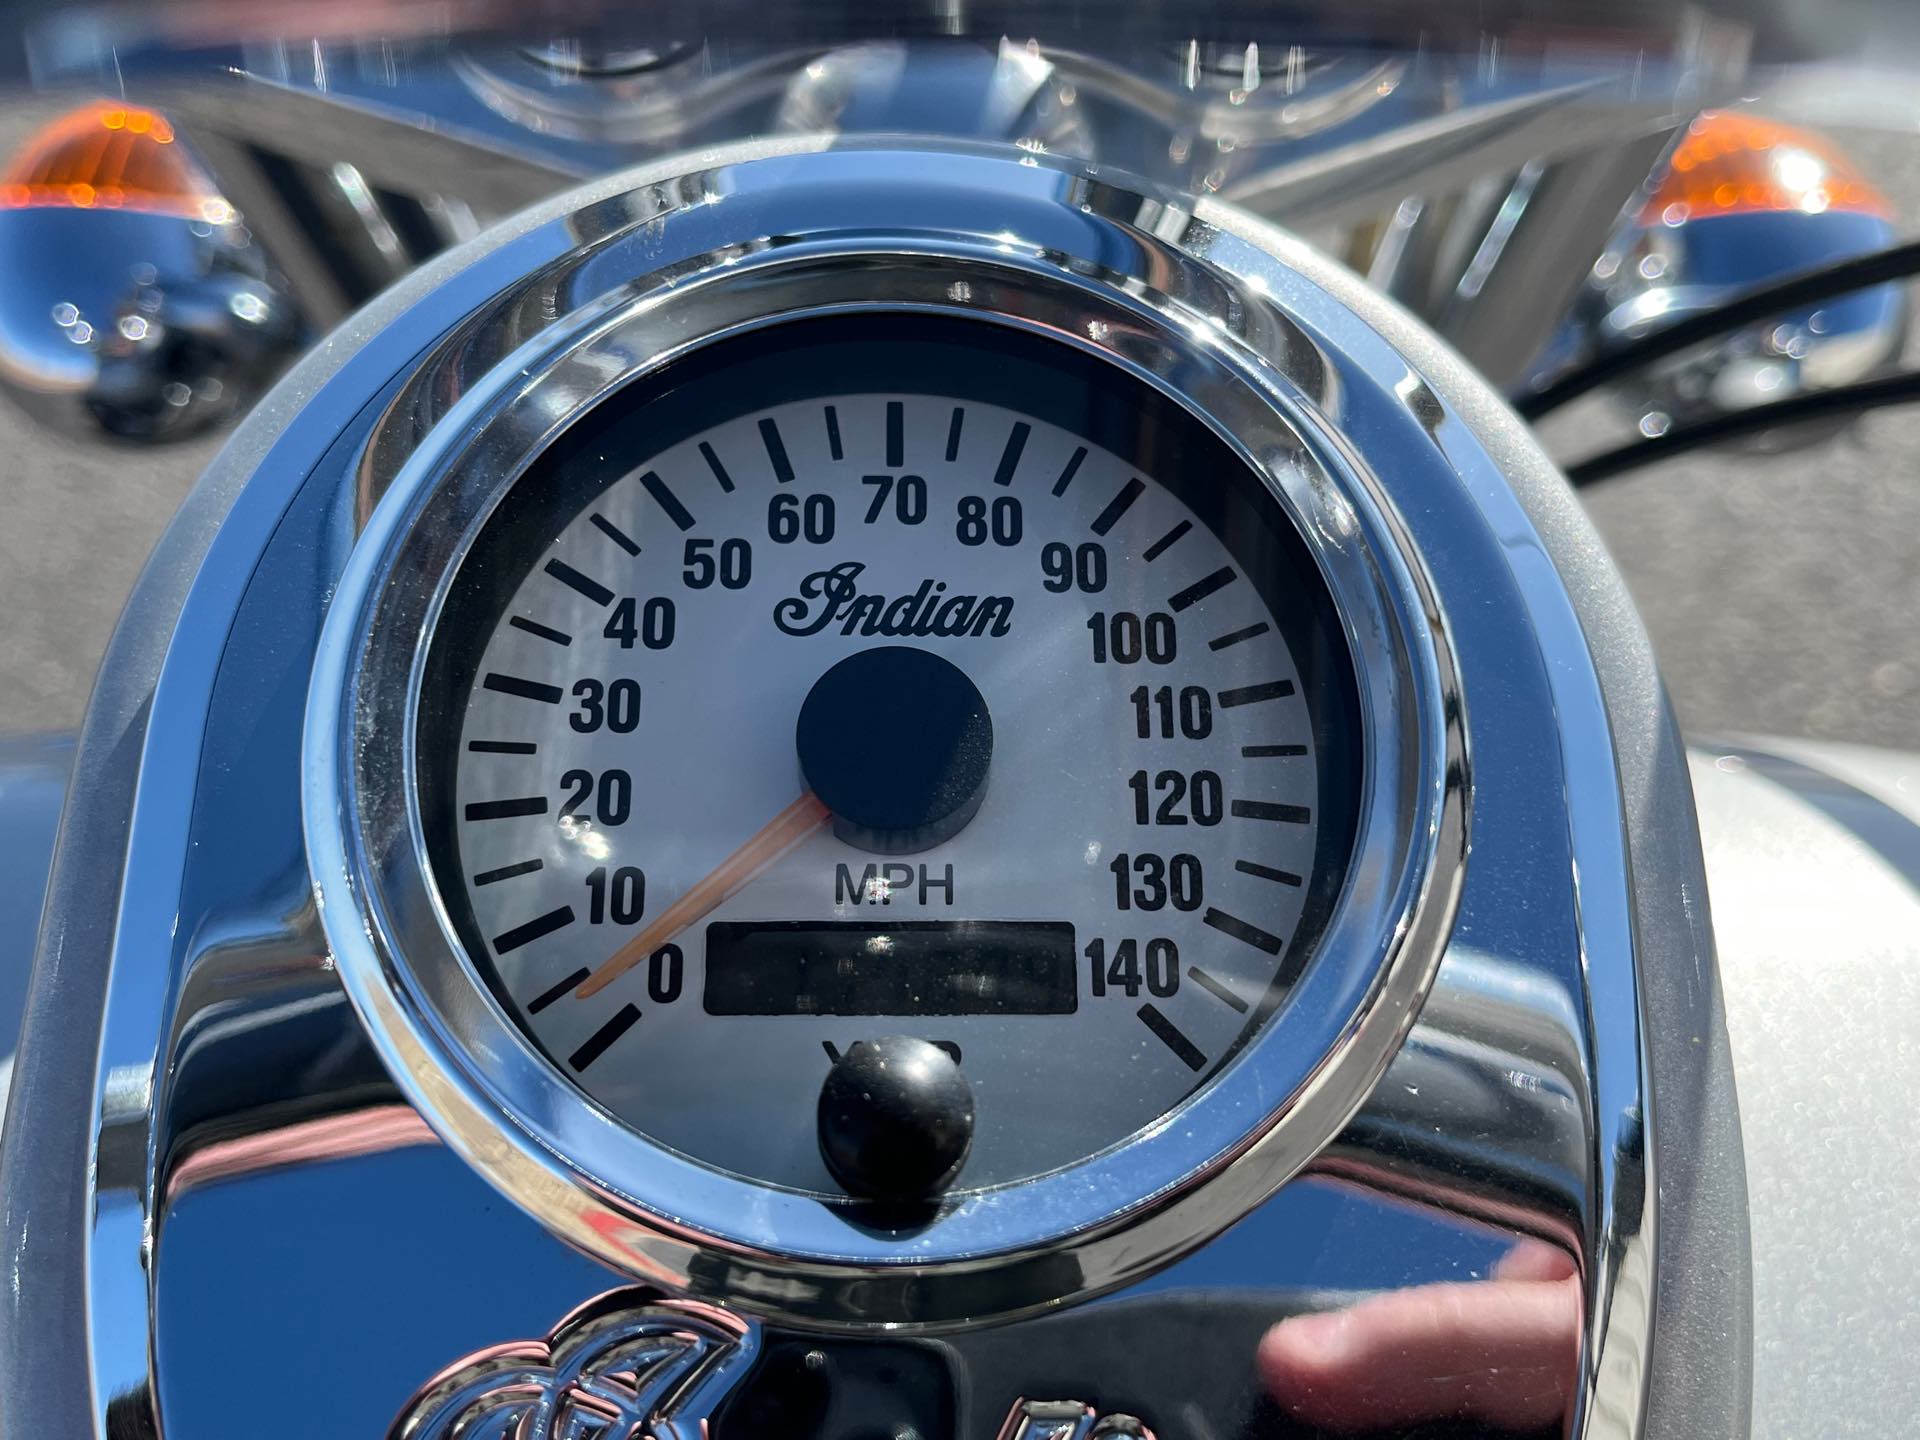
{"x": 1520, "y": 1032}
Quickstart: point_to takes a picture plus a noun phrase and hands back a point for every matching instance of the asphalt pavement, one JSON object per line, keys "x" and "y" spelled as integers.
{"x": 1782, "y": 591}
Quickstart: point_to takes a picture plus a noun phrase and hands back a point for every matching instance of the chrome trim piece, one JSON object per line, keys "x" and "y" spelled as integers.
{"x": 1090, "y": 1227}
{"x": 1532, "y": 261}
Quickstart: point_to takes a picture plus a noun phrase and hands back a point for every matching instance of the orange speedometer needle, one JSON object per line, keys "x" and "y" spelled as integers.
{"x": 768, "y": 844}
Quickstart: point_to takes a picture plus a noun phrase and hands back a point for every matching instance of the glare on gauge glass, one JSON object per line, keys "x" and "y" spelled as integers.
{"x": 887, "y": 680}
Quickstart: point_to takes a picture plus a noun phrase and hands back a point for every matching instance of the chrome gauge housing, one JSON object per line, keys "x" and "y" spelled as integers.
{"x": 743, "y": 255}
{"x": 293, "y": 1052}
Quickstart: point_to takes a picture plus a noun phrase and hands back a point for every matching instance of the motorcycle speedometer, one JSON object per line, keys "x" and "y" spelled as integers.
{"x": 1090, "y": 788}
{"x": 895, "y": 779}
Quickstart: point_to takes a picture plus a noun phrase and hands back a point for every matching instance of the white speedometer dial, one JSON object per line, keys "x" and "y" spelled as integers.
{"x": 776, "y": 724}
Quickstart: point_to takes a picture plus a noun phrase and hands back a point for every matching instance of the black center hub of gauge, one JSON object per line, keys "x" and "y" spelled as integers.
{"x": 896, "y": 1119}
{"x": 896, "y": 742}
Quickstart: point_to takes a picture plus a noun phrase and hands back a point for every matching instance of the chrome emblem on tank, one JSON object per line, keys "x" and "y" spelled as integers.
{"x": 1069, "y": 1420}
{"x": 629, "y": 1365}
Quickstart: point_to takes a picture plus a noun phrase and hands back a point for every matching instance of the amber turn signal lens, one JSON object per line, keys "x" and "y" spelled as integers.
{"x": 110, "y": 157}
{"x": 1733, "y": 163}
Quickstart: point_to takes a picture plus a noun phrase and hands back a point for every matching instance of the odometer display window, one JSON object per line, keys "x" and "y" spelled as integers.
{"x": 912, "y": 968}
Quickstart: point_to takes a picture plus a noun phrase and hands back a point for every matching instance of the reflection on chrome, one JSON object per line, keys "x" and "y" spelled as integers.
{"x": 134, "y": 302}
{"x": 1503, "y": 1352}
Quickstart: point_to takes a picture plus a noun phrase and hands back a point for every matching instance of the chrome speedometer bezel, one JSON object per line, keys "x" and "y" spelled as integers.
{"x": 1213, "y": 341}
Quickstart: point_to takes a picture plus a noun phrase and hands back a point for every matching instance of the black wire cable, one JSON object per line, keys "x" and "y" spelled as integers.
{"x": 1896, "y": 262}
{"x": 1902, "y": 388}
